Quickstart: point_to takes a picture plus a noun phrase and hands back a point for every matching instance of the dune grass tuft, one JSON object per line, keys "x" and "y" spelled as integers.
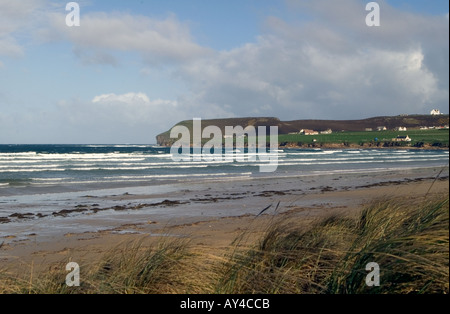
{"x": 409, "y": 240}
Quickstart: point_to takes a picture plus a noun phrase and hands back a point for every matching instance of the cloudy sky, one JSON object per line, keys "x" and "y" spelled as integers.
{"x": 133, "y": 68}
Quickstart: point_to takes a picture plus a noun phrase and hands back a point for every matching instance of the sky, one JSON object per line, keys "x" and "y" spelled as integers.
{"x": 134, "y": 68}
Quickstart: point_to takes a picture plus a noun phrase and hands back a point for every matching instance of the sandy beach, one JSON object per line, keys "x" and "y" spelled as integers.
{"x": 210, "y": 218}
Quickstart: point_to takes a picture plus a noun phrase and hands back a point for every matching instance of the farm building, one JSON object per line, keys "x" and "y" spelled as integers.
{"x": 308, "y": 132}
{"x": 329, "y": 131}
{"x": 435, "y": 112}
{"x": 402, "y": 138}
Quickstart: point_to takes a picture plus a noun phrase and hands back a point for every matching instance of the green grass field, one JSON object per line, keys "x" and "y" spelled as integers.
{"x": 431, "y": 137}
{"x": 419, "y": 138}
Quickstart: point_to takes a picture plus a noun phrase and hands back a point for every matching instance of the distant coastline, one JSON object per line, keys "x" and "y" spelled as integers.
{"x": 356, "y": 146}
{"x": 406, "y": 131}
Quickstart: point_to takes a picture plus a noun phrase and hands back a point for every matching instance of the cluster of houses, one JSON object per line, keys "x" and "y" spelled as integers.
{"x": 434, "y": 127}
{"x": 435, "y": 112}
{"x": 379, "y": 128}
{"x": 312, "y": 132}
{"x": 399, "y": 138}
{"x": 383, "y": 128}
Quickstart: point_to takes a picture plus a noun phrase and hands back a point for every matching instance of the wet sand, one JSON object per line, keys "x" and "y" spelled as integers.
{"x": 211, "y": 219}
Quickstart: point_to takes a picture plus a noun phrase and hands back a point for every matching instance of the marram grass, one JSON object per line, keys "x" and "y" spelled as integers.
{"x": 409, "y": 240}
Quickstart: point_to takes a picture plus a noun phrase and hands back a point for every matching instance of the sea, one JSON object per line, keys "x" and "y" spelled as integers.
{"x": 26, "y": 169}
{"x": 43, "y": 179}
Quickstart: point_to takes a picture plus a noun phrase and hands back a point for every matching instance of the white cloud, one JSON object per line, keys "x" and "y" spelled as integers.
{"x": 332, "y": 66}
{"x": 328, "y": 65}
{"x": 157, "y": 41}
{"x": 130, "y": 109}
{"x": 107, "y": 118}
{"x": 17, "y": 17}
{"x": 10, "y": 47}
{"x": 129, "y": 98}
{"x": 15, "y": 14}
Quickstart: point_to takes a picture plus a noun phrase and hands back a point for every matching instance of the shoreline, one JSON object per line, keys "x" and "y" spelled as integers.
{"x": 135, "y": 197}
{"x": 204, "y": 229}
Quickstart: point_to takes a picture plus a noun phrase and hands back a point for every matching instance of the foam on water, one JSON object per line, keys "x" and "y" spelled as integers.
{"x": 64, "y": 165}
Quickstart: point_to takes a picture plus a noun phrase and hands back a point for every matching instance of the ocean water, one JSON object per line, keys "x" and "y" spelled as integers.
{"x": 101, "y": 186}
{"x": 37, "y": 169}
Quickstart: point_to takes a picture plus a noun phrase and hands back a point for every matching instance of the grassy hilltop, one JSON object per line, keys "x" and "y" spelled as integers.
{"x": 346, "y": 133}
{"x": 436, "y": 138}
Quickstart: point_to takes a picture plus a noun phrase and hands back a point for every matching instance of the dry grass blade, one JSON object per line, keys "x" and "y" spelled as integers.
{"x": 409, "y": 240}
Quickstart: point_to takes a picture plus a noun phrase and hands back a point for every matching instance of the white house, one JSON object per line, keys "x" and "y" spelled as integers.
{"x": 435, "y": 112}
{"x": 329, "y": 131}
{"x": 308, "y": 132}
{"x": 401, "y": 129}
{"x": 402, "y": 139}
{"x": 232, "y": 136}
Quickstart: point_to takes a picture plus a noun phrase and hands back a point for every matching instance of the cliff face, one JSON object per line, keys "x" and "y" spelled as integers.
{"x": 164, "y": 139}
{"x": 286, "y": 127}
